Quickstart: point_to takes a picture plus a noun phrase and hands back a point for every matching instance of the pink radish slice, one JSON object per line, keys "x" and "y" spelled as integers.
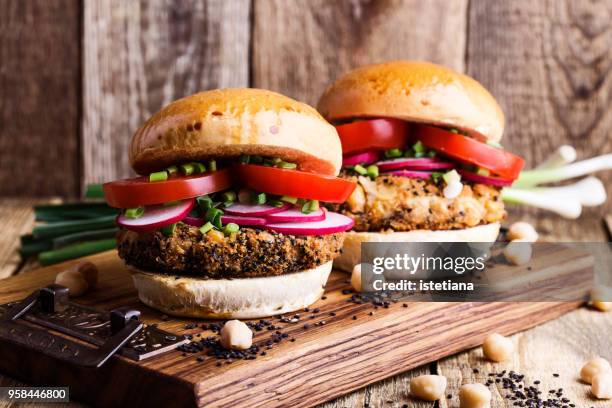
{"x": 489, "y": 180}
{"x": 237, "y": 219}
{"x": 361, "y": 158}
{"x": 333, "y": 223}
{"x": 156, "y": 216}
{"x": 295, "y": 215}
{"x": 226, "y": 219}
{"x": 194, "y": 221}
{"x": 254, "y": 209}
{"x": 414, "y": 164}
{"x": 410, "y": 173}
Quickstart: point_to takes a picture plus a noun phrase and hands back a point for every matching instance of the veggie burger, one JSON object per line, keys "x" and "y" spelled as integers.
{"x": 226, "y": 219}
{"x": 422, "y": 142}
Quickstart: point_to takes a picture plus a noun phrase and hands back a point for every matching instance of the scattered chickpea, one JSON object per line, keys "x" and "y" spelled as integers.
{"x": 79, "y": 278}
{"x": 602, "y": 385}
{"x": 474, "y": 396}
{"x": 428, "y": 387}
{"x": 518, "y": 252}
{"x": 602, "y": 306}
{"x": 89, "y": 272}
{"x": 356, "y": 278}
{"x": 497, "y": 347}
{"x": 594, "y": 366}
{"x": 598, "y": 294}
{"x": 236, "y": 335}
{"x": 357, "y": 283}
{"x": 522, "y": 230}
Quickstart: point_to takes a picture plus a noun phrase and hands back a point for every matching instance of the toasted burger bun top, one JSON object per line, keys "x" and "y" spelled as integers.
{"x": 230, "y": 122}
{"x": 416, "y": 92}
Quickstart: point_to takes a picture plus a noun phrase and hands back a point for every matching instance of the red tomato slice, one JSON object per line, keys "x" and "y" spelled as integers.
{"x": 468, "y": 150}
{"x": 375, "y": 133}
{"x": 294, "y": 183}
{"x": 139, "y": 191}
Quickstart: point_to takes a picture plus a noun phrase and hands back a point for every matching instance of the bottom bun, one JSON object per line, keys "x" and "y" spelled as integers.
{"x": 351, "y": 250}
{"x": 246, "y": 298}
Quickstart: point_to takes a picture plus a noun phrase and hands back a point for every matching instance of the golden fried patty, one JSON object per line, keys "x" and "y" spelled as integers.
{"x": 247, "y": 253}
{"x": 405, "y": 204}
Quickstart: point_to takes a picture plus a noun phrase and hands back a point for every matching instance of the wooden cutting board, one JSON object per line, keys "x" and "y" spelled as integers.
{"x": 358, "y": 344}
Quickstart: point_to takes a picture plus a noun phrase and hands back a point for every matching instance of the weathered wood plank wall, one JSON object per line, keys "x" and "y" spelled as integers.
{"x": 39, "y": 97}
{"x": 141, "y": 55}
{"x": 548, "y": 63}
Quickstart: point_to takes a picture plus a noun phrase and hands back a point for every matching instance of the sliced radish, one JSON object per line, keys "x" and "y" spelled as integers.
{"x": 237, "y": 219}
{"x": 295, "y": 215}
{"x": 410, "y": 173}
{"x": 361, "y": 158}
{"x": 157, "y": 216}
{"x": 333, "y": 223}
{"x": 489, "y": 180}
{"x": 414, "y": 164}
{"x": 254, "y": 209}
{"x": 193, "y": 221}
{"x": 226, "y": 219}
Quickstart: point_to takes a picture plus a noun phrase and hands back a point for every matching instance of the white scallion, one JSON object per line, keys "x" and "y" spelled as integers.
{"x": 531, "y": 178}
{"x": 563, "y": 155}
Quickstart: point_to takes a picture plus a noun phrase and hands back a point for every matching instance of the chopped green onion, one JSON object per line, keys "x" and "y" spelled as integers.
{"x": 258, "y": 198}
{"x": 289, "y": 199}
{"x": 310, "y": 206}
{"x": 495, "y": 144}
{"x": 213, "y": 215}
{"x": 257, "y": 159}
{"x": 158, "y": 176}
{"x": 199, "y": 167}
{"x": 360, "y": 169}
{"x": 94, "y": 191}
{"x": 431, "y": 154}
{"x": 419, "y": 147}
{"x": 206, "y": 227}
{"x": 212, "y": 165}
{"x": 275, "y": 203}
{"x": 372, "y": 171}
{"x": 168, "y": 230}
{"x": 134, "y": 212}
{"x": 187, "y": 169}
{"x": 274, "y": 161}
{"x": 451, "y": 177}
{"x": 230, "y": 228}
{"x": 229, "y": 196}
{"x": 204, "y": 202}
{"x": 227, "y": 204}
{"x": 483, "y": 172}
{"x": 287, "y": 165}
{"x": 453, "y": 130}
{"x": 436, "y": 175}
{"x": 172, "y": 169}
{"x": 409, "y": 153}
{"x": 393, "y": 153}
{"x": 245, "y": 159}
{"x": 171, "y": 203}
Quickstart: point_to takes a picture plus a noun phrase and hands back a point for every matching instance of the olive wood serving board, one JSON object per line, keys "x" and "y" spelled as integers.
{"x": 324, "y": 361}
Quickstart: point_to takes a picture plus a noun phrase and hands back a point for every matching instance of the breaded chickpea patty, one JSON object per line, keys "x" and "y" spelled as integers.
{"x": 247, "y": 253}
{"x": 406, "y": 204}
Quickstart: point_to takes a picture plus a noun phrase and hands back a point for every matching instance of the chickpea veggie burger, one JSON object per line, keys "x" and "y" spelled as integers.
{"x": 422, "y": 142}
{"x": 226, "y": 220}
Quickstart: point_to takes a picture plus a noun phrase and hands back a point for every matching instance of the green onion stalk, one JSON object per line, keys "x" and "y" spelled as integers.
{"x": 566, "y": 200}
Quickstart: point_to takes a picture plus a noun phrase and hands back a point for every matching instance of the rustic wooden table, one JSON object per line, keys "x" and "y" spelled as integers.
{"x": 558, "y": 347}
